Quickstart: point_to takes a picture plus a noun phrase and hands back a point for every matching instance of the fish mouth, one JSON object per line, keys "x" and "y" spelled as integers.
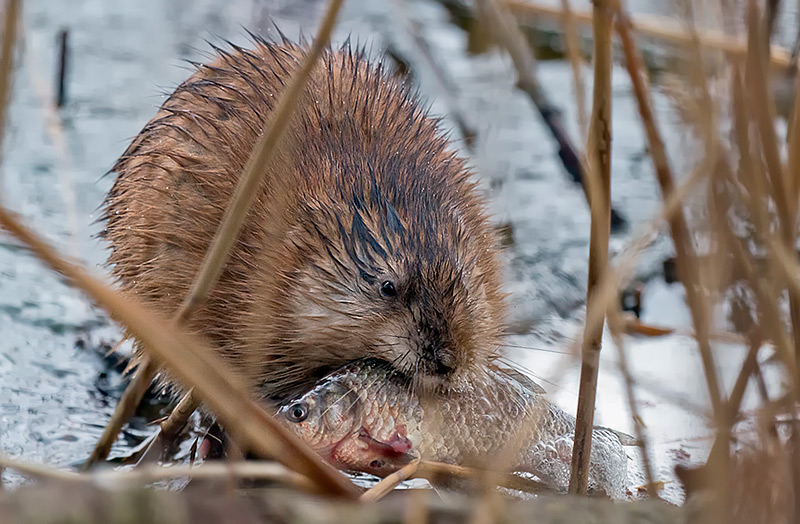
{"x": 398, "y": 445}
{"x": 362, "y": 452}
{"x": 388, "y": 456}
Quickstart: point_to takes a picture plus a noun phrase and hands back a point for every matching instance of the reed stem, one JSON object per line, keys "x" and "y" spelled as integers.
{"x": 616, "y": 327}
{"x": 599, "y": 152}
{"x": 7, "y": 62}
{"x": 387, "y": 484}
{"x": 576, "y": 61}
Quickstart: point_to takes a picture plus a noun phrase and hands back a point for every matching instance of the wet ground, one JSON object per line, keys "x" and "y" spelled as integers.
{"x": 57, "y": 390}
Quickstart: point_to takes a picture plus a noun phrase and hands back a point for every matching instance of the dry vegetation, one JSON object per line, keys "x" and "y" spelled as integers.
{"x": 750, "y": 178}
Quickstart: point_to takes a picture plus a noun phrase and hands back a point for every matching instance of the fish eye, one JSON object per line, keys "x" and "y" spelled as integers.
{"x": 297, "y": 412}
{"x": 388, "y": 289}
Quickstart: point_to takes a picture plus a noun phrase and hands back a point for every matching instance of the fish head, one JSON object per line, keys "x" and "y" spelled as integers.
{"x": 357, "y": 419}
{"x": 324, "y": 417}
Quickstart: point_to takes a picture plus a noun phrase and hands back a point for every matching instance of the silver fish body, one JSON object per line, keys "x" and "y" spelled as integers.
{"x": 367, "y": 417}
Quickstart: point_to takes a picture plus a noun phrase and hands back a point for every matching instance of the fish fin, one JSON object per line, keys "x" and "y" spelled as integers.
{"x": 624, "y": 438}
{"x": 524, "y": 380}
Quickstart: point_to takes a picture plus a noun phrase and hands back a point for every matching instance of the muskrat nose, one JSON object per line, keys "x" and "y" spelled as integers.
{"x": 439, "y": 359}
{"x": 442, "y": 368}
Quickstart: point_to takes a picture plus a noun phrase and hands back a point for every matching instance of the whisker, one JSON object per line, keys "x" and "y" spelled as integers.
{"x": 527, "y": 371}
{"x": 532, "y": 348}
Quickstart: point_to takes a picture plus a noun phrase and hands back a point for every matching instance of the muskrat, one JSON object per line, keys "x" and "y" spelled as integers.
{"x": 384, "y": 247}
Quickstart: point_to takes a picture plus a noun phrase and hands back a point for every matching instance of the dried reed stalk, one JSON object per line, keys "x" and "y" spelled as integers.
{"x": 576, "y": 62}
{"x": 757, "y": 82}
{"x": 511, "y": 37}
{"x": 435, "y": 471}
{"x": 38, "y": 471}
{"x": 217, "y": 470}
{"x": 194, "y": 364}
{"x": 659, "y": 28}
{"x": 761, "y": 179}
{"x": 387, "y": 484}
{"x": 779, "y": 186}
{"x": 793, "y": 150}
{"x": 754, "y": 199}
{"x": 6, "y": 63}
{"x": 247, "y": 189}
{"x": 720, "y": 206}
{"x": 616, "y": 326}
{"x": 10, "y": 19}
{"x": 687, "y": 264}
{"x": 251, "y": 469}
{"x": 617, "y": 275}
{"x": 252, "y": 177}
{"x": 753, "y": 192}
{"x": 785, "y": 200}
{"x": 686, "y": 258}
{"x": 599, "y": 152}
{"x": 766, "y": 291}
{"x": 170, "y": 427}
{"x": 417, "y": 507}
{"x": 637, "y": 73}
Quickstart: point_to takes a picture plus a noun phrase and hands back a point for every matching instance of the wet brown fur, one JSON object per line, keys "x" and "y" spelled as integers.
{"x": 363, "y": 189}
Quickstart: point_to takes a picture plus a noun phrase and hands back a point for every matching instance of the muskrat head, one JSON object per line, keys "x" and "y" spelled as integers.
{"x": 384, "y": 249}
{"x": 374, "y": 280}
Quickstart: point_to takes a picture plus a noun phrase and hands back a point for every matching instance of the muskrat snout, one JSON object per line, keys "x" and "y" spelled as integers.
{"x": 438, "y": 359}
{"x": 441, "y": 362}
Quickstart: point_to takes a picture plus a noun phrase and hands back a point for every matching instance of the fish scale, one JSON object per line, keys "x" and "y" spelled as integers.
{"x": 364, "y": 417}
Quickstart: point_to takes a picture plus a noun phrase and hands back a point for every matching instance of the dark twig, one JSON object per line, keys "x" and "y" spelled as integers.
{"x": 61, "y": 78}
{"x": 511, "y": 37}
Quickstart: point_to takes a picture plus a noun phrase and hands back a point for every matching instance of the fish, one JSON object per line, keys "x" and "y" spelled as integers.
{"x": 367, "y": 417}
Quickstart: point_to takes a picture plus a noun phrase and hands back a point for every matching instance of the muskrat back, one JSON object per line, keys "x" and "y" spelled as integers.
{"x": 369, "y": 239}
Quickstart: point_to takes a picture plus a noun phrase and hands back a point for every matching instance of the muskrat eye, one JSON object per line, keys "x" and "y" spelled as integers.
{"x": 297, "y": 412}
{"x": 388, "y": 289}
